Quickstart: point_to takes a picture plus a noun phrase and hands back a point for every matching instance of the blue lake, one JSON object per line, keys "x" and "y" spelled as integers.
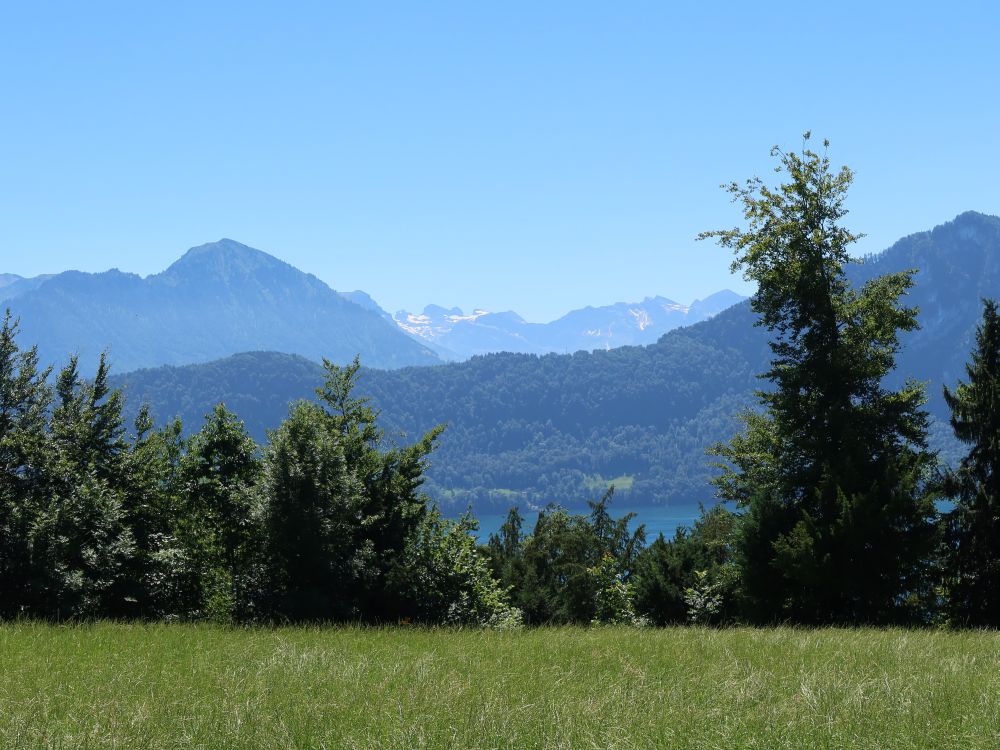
{"x": 658, "y": 519}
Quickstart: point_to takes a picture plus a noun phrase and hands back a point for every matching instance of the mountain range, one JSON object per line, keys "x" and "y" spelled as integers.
{"x": 224, "y": 298}
{"x": 217, "y": 300}
{"x": 529, "y": 429}
{"x": 456, "y": 335}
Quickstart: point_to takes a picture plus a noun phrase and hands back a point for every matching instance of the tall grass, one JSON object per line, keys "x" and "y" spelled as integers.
{"x": 163, "y": 686}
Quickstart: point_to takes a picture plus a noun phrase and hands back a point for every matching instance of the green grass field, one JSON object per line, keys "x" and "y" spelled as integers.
{"x": 120, "y": 686}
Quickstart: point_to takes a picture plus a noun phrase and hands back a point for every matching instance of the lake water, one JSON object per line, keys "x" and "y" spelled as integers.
{"x": 658, "y": 519}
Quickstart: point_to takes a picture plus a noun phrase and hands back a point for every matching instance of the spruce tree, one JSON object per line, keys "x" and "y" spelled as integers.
{"x": 972, "y": 528}
{"x": 82, "y": 545}
{"x": 24, "y": 402}
{"x": 831, "y": 469}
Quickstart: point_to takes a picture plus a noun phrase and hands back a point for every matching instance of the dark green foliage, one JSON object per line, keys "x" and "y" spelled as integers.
{"x": 163, "y": 580}
{"x": 571, "y": 568}
{"x": 24, "y": 400}
{"x": 314, "y": 503}
{"x": 972, "y": 528}
{"x": 667, "y": 569}
{"x": 81, "y": 541}
{"x": 389, "y": 480}
{"x": 348, "y": 531}
{"x": 329, "y": 524}
{"x": 218, "y": 476}
{"x": 444, "y": 577}
{"x": 832, "y": 472}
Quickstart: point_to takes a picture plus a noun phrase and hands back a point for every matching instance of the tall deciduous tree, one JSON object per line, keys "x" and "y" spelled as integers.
{"x": 972, "y": 529}
{"x": 832, "y": 469}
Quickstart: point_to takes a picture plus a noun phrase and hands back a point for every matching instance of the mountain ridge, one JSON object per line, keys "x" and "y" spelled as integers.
{"x": 587, "y": 328}
{"x": 217, "y": 299}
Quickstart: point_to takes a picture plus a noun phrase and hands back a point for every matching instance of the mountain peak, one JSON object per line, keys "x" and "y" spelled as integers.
{"x": 226, "y": 248}
{"x": 436, "y": 311}
{"x": 226, "y": 259}
{"x": 974, "y": 216}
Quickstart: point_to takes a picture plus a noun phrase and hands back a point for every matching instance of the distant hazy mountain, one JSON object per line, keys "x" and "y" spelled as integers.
{"x": 532, "y": 429}
{"x": 12, "y": 285}
{"x": 621, "y": 324}
{"x": 363, "y": 299}
{"x": 217, "y": 300}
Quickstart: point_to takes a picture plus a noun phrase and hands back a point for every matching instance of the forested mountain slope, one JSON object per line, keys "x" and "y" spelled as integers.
{"x": 530, "y": 429}
{"x": 218, "y": 299}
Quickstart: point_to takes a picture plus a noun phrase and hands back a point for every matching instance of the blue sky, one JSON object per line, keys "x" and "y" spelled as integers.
{"x": 528, "y": 156}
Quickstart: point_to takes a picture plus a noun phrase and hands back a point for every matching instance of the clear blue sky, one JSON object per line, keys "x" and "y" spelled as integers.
{"x": 534, "y": 156}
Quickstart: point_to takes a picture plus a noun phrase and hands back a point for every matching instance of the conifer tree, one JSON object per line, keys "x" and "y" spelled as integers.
{"x": 972, "y": 528}
{"x": 313, "y": 509}
{"x": 82, "y": 545}
{"x": 153, "y": 512}
{"x": 24, "y": 401}
{"x": 389, "y": 479}
{"x": 832, "y": 468}
{"x": 219, "y": 475}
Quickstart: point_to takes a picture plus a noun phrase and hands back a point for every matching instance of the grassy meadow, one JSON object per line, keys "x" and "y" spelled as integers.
{"x": 177, "y": 686}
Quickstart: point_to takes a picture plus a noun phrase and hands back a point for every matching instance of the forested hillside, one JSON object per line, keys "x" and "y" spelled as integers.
{"x": 530, "y": 429}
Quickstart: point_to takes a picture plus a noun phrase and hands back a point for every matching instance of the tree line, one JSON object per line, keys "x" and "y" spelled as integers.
{"x": 324, "y": 523}
{"x": 838, "y": 514}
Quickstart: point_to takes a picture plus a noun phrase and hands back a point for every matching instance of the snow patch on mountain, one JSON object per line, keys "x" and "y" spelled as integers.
{"x": 620, "y": 324}
{"x": 642, "y": 319}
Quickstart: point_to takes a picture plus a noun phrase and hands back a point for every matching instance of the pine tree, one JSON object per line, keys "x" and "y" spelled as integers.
{"x": 972, "y": 528}
{"x": 832, "y": 469}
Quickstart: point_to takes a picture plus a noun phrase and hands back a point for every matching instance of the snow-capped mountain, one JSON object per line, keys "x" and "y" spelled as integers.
{"x": 457, "y": 335}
